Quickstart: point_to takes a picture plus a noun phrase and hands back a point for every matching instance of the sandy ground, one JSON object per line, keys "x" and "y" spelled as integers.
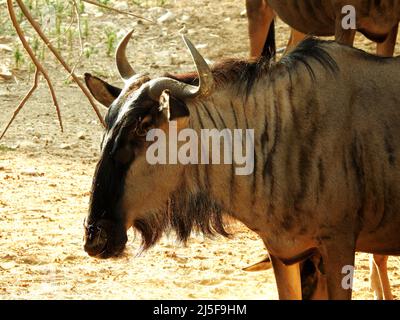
{"x": 45, "y": 178}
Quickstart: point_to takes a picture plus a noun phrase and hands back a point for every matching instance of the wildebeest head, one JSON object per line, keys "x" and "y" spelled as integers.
{"x": 127, "y": 191}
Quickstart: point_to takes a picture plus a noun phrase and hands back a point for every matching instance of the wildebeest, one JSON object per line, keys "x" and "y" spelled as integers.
{"x": 377, "y": 20}
{"x": 326, "y": 162}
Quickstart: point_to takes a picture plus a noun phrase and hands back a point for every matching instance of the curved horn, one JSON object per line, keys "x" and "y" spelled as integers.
{"x": 206, "y": 80}
{"x": 124, "y": 68}
{"x": 182, "y": 90}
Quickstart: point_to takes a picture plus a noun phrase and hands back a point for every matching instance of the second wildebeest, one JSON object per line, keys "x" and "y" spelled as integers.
{"x": 377, "y": 20}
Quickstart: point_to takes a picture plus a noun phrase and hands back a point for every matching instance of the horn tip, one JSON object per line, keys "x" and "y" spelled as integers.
{"x": 125, "y": 70}
{"x": 130, "y": 32}
{"x": 186, "y": 40}
{"x": 127, "y": 37}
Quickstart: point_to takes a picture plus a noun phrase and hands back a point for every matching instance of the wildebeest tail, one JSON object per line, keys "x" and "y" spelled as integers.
{"x": 269, "y": 49}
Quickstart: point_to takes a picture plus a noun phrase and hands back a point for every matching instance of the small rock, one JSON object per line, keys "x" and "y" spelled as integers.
{"x": 81, "y": 135}
{"x": 201, "y": 46}
{"x": 169, "y": 16}
{"x": 32, "y": 172}
{"x": 5, "y": 73}
{"x": 25, "y": 144}
{"x": 185, "y": 18}
{"x": 5, "y": 47}
{"x": 243, "y": 13}
{"x": 65, "y": 146}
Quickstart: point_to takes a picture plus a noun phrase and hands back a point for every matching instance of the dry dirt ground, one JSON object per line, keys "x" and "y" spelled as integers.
{"x": 45, "y": 177}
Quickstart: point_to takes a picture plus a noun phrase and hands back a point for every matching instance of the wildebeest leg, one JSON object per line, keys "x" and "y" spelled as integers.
{"x": 338, "y": 255}
{"x": 295, "y": 38}
{"x": 321, "y": 290}
{"x": 313, "y": 279}
{"x": 260, "y": 16}
{"x": 287, "y": 279}
{"x": 379, "y": 279}
{"x": 386, "y": 48}
{"x": 374, "y": 280}
{"x": 344, "y": 36}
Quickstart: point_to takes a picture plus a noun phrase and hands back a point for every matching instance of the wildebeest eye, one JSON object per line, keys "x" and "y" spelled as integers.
{"x": 144, "y": 126}
{"x": 142, "y": 132}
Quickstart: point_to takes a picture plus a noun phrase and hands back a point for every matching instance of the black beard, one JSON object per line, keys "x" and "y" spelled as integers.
{"x": 183, "y": 214}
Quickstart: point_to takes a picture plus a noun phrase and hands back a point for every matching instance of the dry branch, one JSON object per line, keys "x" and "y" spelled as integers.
{"x": 95, "y": 3}
{"x": 37, "y": 28}
{"x": 79, "y": 34}
{"x": 23, "y": 101}
{"x": 39, "y": 69}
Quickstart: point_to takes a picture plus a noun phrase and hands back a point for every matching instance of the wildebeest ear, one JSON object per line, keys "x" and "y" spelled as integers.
{"x": 102, "y": 91}
{"x": 174, "y": 109}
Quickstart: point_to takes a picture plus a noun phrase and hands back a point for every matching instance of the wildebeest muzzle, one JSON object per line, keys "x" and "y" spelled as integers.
{"x": 104, "y": 238}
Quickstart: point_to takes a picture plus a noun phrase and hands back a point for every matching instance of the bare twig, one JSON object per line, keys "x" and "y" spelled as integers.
{"x": 39, "y": 69}
{"x": 95, "y": 3}
{"x": 37, "y": 28}
{"x": 78, "y": 17}
{"x": 23, "y": 101}
{"x": 65, "y": 31}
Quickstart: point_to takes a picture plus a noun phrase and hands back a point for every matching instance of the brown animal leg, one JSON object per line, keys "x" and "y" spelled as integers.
{"x": 374, "y": 280}
{"x": 386, "y": 48}
{"x": 313, "y": 279}
{"x": 344, "y": 36}
{"x": 295, "y": 38}
{"x": 379, "y": 278}
{"x": 287, "y": 279}
{"x": 260, "y": 17}
{"x": 337, "y": 254}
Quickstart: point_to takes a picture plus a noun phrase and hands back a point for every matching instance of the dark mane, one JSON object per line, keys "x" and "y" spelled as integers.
{"x": 308, "y": 49}
{"x": 247, "y": 72}
{"x": 244, "y": 72}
